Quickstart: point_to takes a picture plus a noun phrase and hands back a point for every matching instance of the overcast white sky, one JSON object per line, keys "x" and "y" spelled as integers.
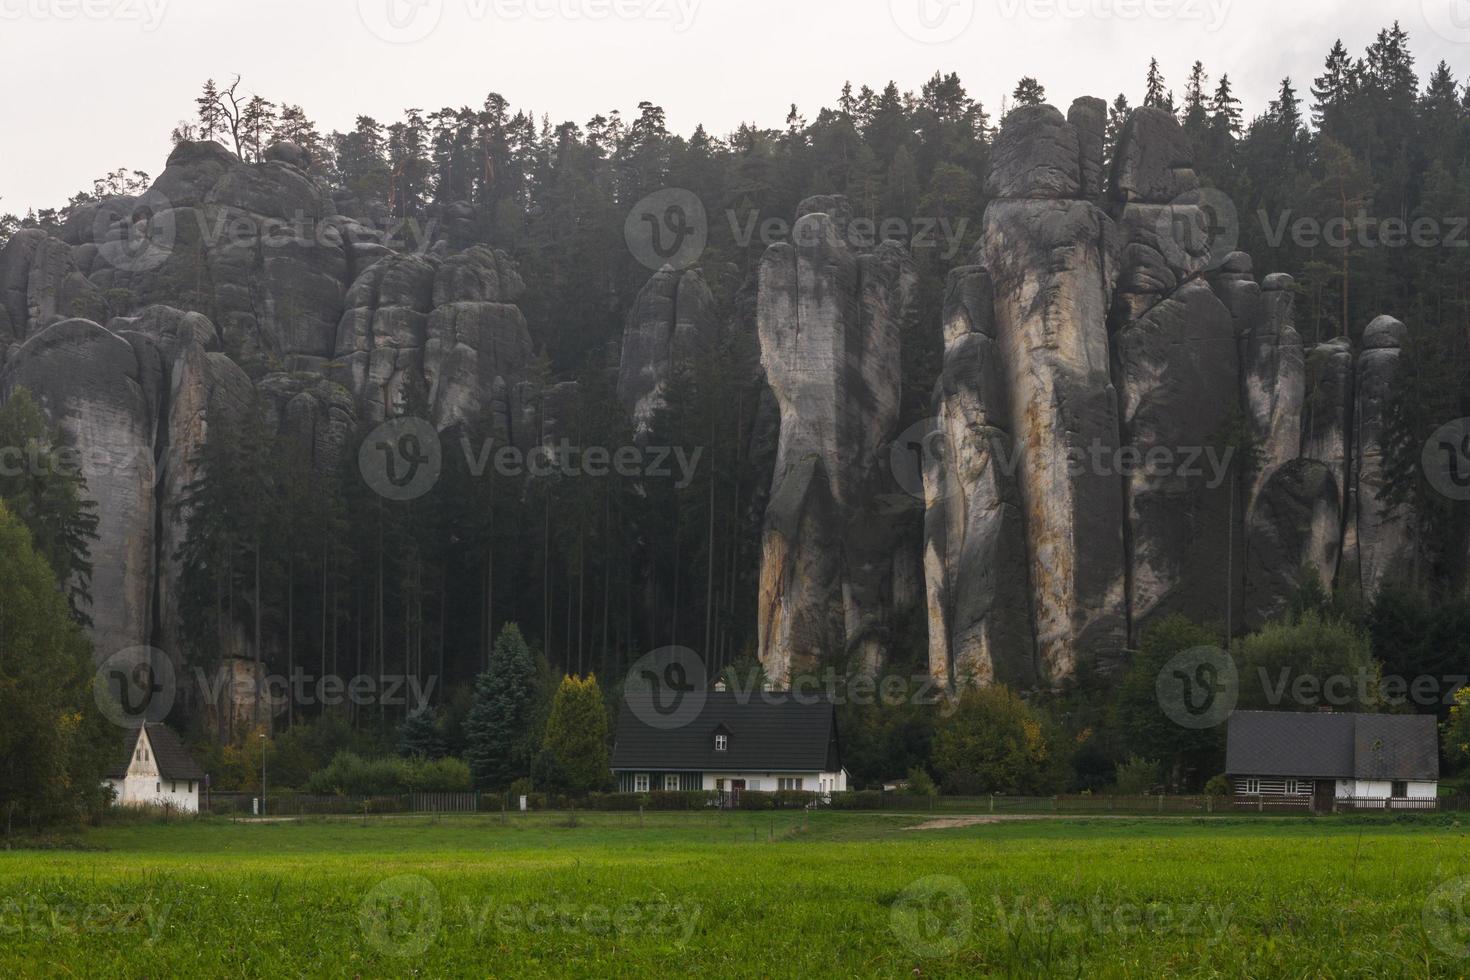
{"x": 91, "y": 85}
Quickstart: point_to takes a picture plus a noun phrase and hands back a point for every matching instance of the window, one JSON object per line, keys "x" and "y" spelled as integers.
{"x": 173, "y": 787}
{"x": 158, "y": 787}
{"x": 1400, "y": 790}
{"x": 1252, "y": 787}
{"x": 1293, "y": 787}
{"x": 722, "y": 742}
{"x": 640, "y": 783}
{"x": 671, "y": 783}
{"x": 789, "y": 785}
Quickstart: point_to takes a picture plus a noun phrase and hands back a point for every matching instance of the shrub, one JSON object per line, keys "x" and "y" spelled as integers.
{"x": 755, "y": 800}
{"x": 1136, "y": 776}
{"x": 920, "y": 783}
{"x": 1218, "y": 786}
{"x": 864, "y": 800}
{"x": 352, "y": 775}
{"x": 793, "y": 799}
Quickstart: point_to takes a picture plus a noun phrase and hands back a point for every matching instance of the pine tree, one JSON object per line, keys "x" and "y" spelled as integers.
{"x": 1029, "y": 91}
{"x": 576, "y": 734}
{"x": 1286, "y": 109}
{"x": 1225, "y": 110}
{"x": 1118, "y": 114}
{"x": 499, "y": 743}
{"x": 1196, "y": 112}
{"x": 1155, "y": 95}
{"x": 1332, "y": 88}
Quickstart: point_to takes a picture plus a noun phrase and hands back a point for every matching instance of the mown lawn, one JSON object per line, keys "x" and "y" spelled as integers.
{"x": 830, "y": 894}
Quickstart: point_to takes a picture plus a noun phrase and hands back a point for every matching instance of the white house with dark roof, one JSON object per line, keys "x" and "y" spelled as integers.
{"x": 1325, "y": 761}
{"x": 154, "y": 768}
{"x": 752, "y": 742}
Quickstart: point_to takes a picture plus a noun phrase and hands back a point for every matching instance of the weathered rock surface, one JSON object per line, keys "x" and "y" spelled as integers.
{"x": 671, "y": 322}
{"x": 1053, "y": 264}
{"x": 829, "y": 321}
{"x": 975, "y": 564}
{"x": 1383, "y": 537}
{"x": 135, "y": 403}
{"x": 252, "y": 246}
{"x": 1295, "y": 527}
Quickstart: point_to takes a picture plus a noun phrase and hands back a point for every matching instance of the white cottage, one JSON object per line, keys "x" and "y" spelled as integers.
{"x": 1327, "y": 761}
{"x": 156, "y": 769}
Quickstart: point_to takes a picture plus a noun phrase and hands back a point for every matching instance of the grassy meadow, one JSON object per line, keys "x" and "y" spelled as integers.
{"x": 742, "y": 894}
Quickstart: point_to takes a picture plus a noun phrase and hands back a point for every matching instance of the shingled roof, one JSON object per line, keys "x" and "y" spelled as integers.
{"x": 768, "y": 733}
{"x": 1332, "y": 746}
{"x": 169, "y": 754}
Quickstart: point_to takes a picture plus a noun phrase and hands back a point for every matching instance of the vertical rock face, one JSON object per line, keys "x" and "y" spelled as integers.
{"x": 39, "y": 285}
{"x": 829, "y": 321}
{"x": 1130, "y": 361}
{"x": 1051, "y": 259}
{"x": 976, "y": 571}
{"x": 1385, "y": 547}
{"x": 135, "y": 403}
{"x": 1327, "y": 410}
{"x": 672, "y": 321}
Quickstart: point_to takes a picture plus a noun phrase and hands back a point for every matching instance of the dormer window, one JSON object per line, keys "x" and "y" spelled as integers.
{"x": 722, "y": 743}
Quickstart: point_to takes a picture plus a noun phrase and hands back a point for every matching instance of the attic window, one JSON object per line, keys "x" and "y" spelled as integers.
{"x": 722, "y": 743}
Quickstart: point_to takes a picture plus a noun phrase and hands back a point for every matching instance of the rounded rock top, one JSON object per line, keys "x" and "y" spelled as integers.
{"x": 1386, "y": 332}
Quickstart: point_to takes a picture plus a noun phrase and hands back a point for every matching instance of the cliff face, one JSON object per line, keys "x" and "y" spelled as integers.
{"x": 1126, "y": 425}
{"x": 830, "y": 320}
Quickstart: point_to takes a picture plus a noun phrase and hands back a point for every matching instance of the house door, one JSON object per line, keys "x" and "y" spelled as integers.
{"x": 1326, "y": 793}
{"x": 737, "y": 786}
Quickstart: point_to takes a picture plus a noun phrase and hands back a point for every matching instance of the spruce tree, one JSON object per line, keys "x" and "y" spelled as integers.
{"x": 498, "y": 742}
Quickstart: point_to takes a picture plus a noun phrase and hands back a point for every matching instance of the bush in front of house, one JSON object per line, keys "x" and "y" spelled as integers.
{"x": 349, "y": 774}
{"x": 868, "y": 799}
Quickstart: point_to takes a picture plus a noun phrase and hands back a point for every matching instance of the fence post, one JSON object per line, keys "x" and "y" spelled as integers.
{"x": 1161, "y": 802}
{"x": 992, "y": 802}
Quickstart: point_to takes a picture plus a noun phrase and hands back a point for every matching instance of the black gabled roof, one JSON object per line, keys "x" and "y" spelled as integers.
{"x": 1332, "y": 746}
{"x": 169, "y": 754}
{"x": 769, "y": 732}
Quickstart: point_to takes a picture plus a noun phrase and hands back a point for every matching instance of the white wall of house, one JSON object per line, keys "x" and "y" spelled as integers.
{"x": 770, "y": 782}
{"x": 143, "y": 785}
{"x": 1371, "y": 789}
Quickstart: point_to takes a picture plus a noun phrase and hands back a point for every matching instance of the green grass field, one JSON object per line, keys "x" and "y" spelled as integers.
{"x": 830, "y": 894}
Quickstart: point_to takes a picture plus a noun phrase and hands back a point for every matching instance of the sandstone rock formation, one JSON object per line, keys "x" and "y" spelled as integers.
{"x": 672, "y": 321}
{"x": 829, "y": 321}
